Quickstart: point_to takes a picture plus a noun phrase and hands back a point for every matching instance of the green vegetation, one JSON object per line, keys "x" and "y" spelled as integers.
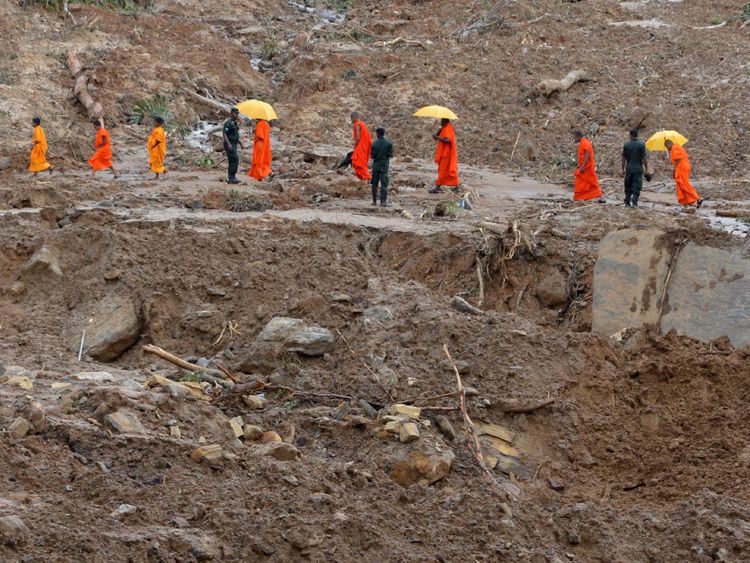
{"x": 745, "y": 15}
{"x": 156, "y": 106}
{"x": 239, "y": 202}
{"x": 716, "y": 20}
{"x": 270, "y": 48}
{"x": 192, "y": 377}
{"x": 339, "y": 6}
{"x": 123, "y": 5}
{"x": 204, "y": 162}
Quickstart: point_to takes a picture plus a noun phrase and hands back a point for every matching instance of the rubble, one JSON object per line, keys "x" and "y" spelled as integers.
{"x": 111, "y": 328}
{"x": 125, "y": 423}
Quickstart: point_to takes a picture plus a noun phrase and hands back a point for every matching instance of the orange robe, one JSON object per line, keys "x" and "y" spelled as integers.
{"x": 102, "y": 159}
{"x": 157, "y": 150}
{"x": 261, "y": 151}
{"x": 38, "y": 160}
{"x": 446, "y": 157}
{"x": 686, "y": 194}
{"x": 586, "y": 182}
{"x": 361, "y": 154}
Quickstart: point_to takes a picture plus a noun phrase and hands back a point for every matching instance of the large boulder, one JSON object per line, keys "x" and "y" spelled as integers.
{"x": 115, "y": 327}
{"x": 423, "y": 466}
{"x": 285, "y": 334}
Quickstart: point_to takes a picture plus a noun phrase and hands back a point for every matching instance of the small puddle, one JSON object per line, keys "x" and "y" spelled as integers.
{"x": 200, "y": 137}
{"x": 731, "y": 225}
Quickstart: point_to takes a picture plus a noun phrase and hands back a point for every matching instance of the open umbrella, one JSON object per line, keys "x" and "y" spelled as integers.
{"x": 257, "y": 109}
{"x": 656, "y": 141}
{"x": 438, "y": 112}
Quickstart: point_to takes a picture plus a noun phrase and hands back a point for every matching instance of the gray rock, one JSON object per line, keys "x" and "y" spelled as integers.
{"x": 280, "y": 451}
{"x": 123, "y": 510}
{"x": 44, "y": 260}
{"x": 367, "y": 409}
{"x": 387, "y": 377}
{"x": 115, "y": 328}
{"x": 445, "y": 427}
{"x": 4, "y": 163}
{"x": 460, "y": 304}
{"x": 125, "y": 422}
{"x": 13, "y": 532}
{"x": 552, "y": 289}
{"x": 283, "y": 334}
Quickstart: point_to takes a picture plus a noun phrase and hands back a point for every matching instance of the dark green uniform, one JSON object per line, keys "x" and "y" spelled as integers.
{"x": 381, "y": 152}
{"x": 232, "y": 132}
{"x": 634, "y": 153}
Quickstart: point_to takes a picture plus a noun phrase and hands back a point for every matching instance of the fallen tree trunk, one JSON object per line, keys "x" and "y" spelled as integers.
{"x": 218, "y": 106}
{"x": 93, "y": 108}
{"x": 550, "y": 86}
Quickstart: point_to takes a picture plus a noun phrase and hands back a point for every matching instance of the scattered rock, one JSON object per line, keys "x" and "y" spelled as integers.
{"x": 180, "y": 522}
{"x": 42, "y": 261}
{"x": 471, "y": 392}
{"x": 270, "y": 437}
{"x": 20, "y": 381}
{"x": 574, "y": 538}
{"x": 302, "y": 539}
{"x": 408, "y": 432}
{"x": 37, "y": 417}
{"x": 556, "y": 484}
{"x": 125, "y": 423}
{"x": 421, "y": 466}
{"x": 408, "y": 410}
{"x": 13, "y": 532}
{"x": 368, "y": 410}
{"x": 281, "y": 451}
{"x": 175, "y": 432}
{"x": 236, "y": 424}
{"x": 123, "y": 510}
{"x": 445, "y": 427}
{"x": 388, "y": 378}
{"x": 209, "y": 453}
{"x": 552, "y": 289}
{"x": 254, "y": 402}
{"x": 216, "y": 292}
{"x": 19, "y": 428}
{"x": 295, "y": 336}
{"x": 115, "y": 328}
{"x": 252, "y": 432}
{"x": 393, "y": 426}
{"x": 340, "y": 297}
{"x": 4, "y": 163}
{"x": 460, "y": 304}
{"x": 98, "y": 376}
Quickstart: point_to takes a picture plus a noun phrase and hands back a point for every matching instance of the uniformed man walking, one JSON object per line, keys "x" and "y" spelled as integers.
{"x": 231, "y": 144}
{"x": 381, "y": 152}
{"x": 634, "y": 166}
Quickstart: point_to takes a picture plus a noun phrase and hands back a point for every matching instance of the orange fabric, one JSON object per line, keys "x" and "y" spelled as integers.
{"x": 38, "y": 160}
{"x": 102, "y": 159}
{"x": 586, "y": 183}
{"x": 446, "y": 157}
{"x": 157, "y": 150}
{"x": 261, "y": 151}
{"x": 361, "y": 154}
{"x": 686, "y": 194}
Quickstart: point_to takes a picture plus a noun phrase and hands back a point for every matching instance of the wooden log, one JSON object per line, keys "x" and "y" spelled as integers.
{"x": 80, "y": 89}
{"x": 171, "y": 358}
{"x": 218, "y": 106}
{"x": 550, "y": 86}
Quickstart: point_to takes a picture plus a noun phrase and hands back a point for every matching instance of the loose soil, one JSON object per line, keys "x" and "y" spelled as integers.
{"x": 642, "y": 456}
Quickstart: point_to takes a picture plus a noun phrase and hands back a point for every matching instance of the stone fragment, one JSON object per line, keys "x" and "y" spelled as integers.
{"x": 125, "y": 423}
{"x": 423, "y": 466}
{"x": 37, "y": 416}
{"x": 445, "y": 427}
{"x": 393, "y": 426}
{"x": 236, "y": 426}
{"x": 114, "y": 328}
{"x": 552, "y": 289}
{"x": 471, "y": 391}
{"x": 97, "y": 376}
{"x": 556, "y": 484}
{"x": 280, "y": 451}
{"x": 175, "y": 432}
{"x": 494, "y": 430}
{"x": 460, "y": 304}
{"x": 208, "y": 453}
{"x": 252, "y": 432}
{"x": 296, "y": 336}
{"x": 387, "y": 377}
{"x": 20, "y": 381}
{"x": 19, "y": 428}
{"x": 254, "y": 402}
{"x": 408, "y": 433}
{"x": 123, "y": 510}
{"x": 42, "y": 261}
{"x": 368, "y": 410}
{"x": 408, "y": 410}
{"x": 269, "y": 437}
{"x": 13, "y": 531}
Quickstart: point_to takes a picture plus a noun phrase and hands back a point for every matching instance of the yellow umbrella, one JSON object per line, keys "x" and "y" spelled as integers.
{"x": 438, "y": 112}
{"x": 256, "y": 109}
{"x": 656, "y": 141}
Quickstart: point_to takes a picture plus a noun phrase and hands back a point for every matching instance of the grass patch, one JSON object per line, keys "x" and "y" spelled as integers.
{"x": 239, "y": 202}
{"x": 745, "y": 14}
{"x": 270, "y": 48}
{"x": 129, "y": 6}
{"x": 205, "y": 162}
{"x": 340, "y": 6}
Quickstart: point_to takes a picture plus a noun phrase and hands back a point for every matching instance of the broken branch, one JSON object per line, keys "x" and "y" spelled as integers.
{"x": 514, "y": 406}
{"x": 93, "y": 108}
{"x": 549, "y": 86}
{"x": 220, "y": 376}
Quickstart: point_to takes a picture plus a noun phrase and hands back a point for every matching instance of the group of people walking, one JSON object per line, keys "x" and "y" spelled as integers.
{"x": 635, "y": 163}
{"x": 635, "y": 166}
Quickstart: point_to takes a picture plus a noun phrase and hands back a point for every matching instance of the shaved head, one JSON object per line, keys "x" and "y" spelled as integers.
{"x": 578, "y": 135}
{"x": 668, "y": 143}
{"x": 355, "y": 116}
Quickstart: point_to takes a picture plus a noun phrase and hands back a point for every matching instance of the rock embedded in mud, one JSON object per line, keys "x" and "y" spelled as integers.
{"x": 252, "y": 432}
{"x": 114, "y": 329}
{"x": 280, "y": 451}
{"x": 123, "y": 510}
{"x": 422, "y": 466}
{"x": 445, "y": 427}
{"x": 208, "y": 453}
{"x": 282, "y": 335}
{"x": 552, "y": 290}
{"x": 556, "y": 484}
{"x": 125, "y": 423}
{"x": 270, "y": 437}
{"x": 44, "y": 260}
{"x": 408, "y": 433}
{"x": 13, "y": 531}
{"x": 460, "y": 304}
{"x": 254, "y": 402}
{"x": 19, "y": 428}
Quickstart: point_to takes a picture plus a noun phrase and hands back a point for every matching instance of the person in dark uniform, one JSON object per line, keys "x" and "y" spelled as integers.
{"x": 231, "y": 142}
{"x": 381, "y": 152}
{"x": 634, "y": 165}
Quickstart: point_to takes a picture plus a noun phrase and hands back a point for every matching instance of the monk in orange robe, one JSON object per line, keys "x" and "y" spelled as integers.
{"x": 102, "y": 159}
{"x": 157, "y": 148}
{"x": 586, "y": 183}
{"x": 38, "y": 161}
{"x": 362, "y": 145}
{"x": 446, "y": 156}
{"x": 261, "y": 166}
{"x": 686, "y": 194}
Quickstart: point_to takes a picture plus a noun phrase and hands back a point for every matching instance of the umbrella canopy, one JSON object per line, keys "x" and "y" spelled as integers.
{"x": 257, "y": 109}
{"x": 656, "y": 141}
{"x": 438, "y": 112}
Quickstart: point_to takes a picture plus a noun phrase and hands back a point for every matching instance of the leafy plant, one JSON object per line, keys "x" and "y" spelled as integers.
{"x": 339, "y": 6}
{"x": 204, "y": 162}
{"x": 715, "y": 20}
{"x": 270, "y": 48}
{"x": 192, "y": 377}
{"x": 745, "y": 15}
{"x": 156, "y": 106}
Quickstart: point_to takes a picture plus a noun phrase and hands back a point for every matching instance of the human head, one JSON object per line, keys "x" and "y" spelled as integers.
{"x": 668, "y": 143}
{"x": 235, "y": 113}
{"x": 158, "y": 121}
{"x": 380, "y": 132}
{"x": 97, "y": 123}
{"x": 634, "y": 134}
{"x": 445, "y": 121}
{"x": 355, "y": 116}
{"x": 578, "y": 135}
{"x": 36, "y": 121}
